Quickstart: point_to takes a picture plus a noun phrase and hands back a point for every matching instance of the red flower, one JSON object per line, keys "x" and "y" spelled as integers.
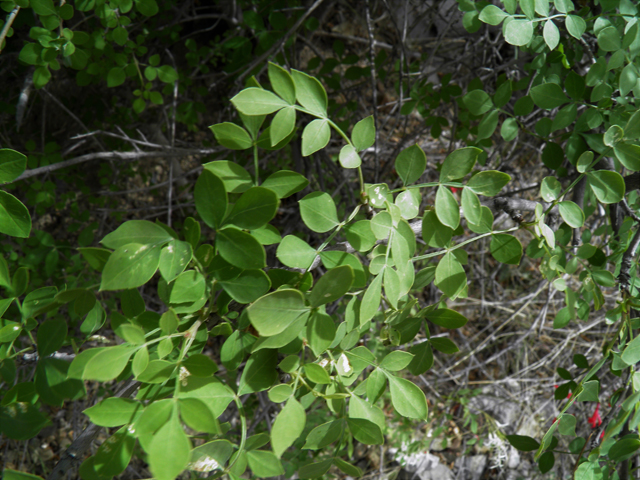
{"x": 595, "y": 420}
{"x": 455, "y": 189}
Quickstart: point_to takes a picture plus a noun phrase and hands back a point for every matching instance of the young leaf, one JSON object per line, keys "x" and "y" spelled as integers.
{"x": 548, "y": 96}
{"x": 571, "y": 213}
{"x": 488, "y": 183}
{"x": 288, "y": 426}
{"x": 295, "y": 252}
{"x": 492, "y": 15}
{"x": 396, "y": 360}
{"x": 551, "y": 34}
{"x": 371, "y": 300}
{"x": 349, "y": 157}
{"x": 107, "y": 363}
{"x": 113, "y": 412}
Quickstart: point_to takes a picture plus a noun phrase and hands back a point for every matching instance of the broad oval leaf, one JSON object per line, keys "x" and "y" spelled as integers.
{"x": 285, "y": 183}
{"x": 450, "y": 276}
{"x": 240, "y": 249}
{"x": 488, "y": 183}
{"x": 288, "y": 426}
{"x": 14, "y": 216}
{"x": 410, "y": 164}
{"x": 607, "y": 186}
{"x": 319, "y": 212}
{"x": 231, "y": 136}
{"x": 211, "y": 198}
{"x": 310, "y": 93}
{"x": 130, "y": 266}
{"x": 518, "y": 32}
{"x": 571, "y": 213}
{"x": 548, "y": 96}
{"x": 315, "y": 136}
{"x": 12, "y": 164}
{"x": 256, "y": 101}
{"x": 331, "y": 286}
{"x": 408, "y": 400}
{"x": 447, "y": 208}
{"x": 447, "y": 318}
{"x": 274, "y": 312}
{"x": 363, "y": 135}
{"x": 459, "y": 163}
{"x": 349, "y": 157}
{"x": 255, "y": 208}
{"x": 506, "y": 248}
{"x": 282, "y": 83}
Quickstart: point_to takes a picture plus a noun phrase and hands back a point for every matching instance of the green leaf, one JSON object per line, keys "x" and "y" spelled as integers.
{"x": 169, "y": 450}
{"x": 459, "y": 163}
{"x": 631, "y": 353}
{"x": 290, "y": 334}
{"x": 51, "y": 336}
{"x": 518, "y": 32}
{"x": 434, "y": 233}
{"x": 360, "y": 235}
{"x": 488, "y": 124}
{"x": 8, "y": 474}
{"x": 148, "y": 8}
{"x": 471, "y": 206}
{"x": 551, "y": 34}
{"x": 210, "y": 456}
{"x": 444, "y": 345}
{"x": 288, "y": 426}
{"x": 371, "y": 300}
{"x": 411, "y": 163}
{"x": 256, "y": 101}
{"x": 248, "y": 286}
{"x": 478, "y": 102}
{"x": 282, "y": 83}
{"x": 523, "y": 443}
{"x": 365, "y": 431}
{"x": 21, "y": 421}
{"x": 285, "y": 183}
{"x": 274, "y": 312}
{"x": 607, "y": 186}
{"x": 571, "y": 213}
{"x": 409, "y": 203}
{"x": 240, "y": 249}
{"x": 264, "y": 464}
{"x": 363, "y": 135}
{"x": 506, "y": 248}
{"x": 349, "y": 157}
{"x": 321, "y": 331}
{"x": 310, "y": 93}
{"x": 331, "y": 286}
{"x": 324, "y": 435}
{"x": 548, "y": 96}
{"x": 567, "y": 425}
{"x": 576, "y": 26}
{"x": 136, "y": 231}
{"x": 396, "y": 360}
{"x": 488, "y": 183}
{"x": 12, "y": 164}
{"x": 235, "y": 178}
{"x": 295, "y": 252}
{"x": 130, "y": 266}
{"x": 609, "y": 39}
{"x": 107, "y": 363}
{"x": 379, "y": 195}
{"x": 347, "y": 468}
{"x": 209, "y": 390}
{"x": 629, "y": 155}
{"x": 628, "y": 79}
{"x": 315, "y": 136}
{"x": 116, "y": 77}
{"x": 492, "y": 15}
{"x": 200, "y": 365}
{"x": 198, "y": 416}
{"x": 43, "y": 7}
{"x": 255, "y": 208}
{"x": 408, "y": 400}
{"x": 14, "y": 216}
{"x": 613, "y": 135}
{"x": 231, "y": 136}
{"x": 113, "y": 412}
{"x": 450, "y": 276}
{"x": 259, "y": 373}
{"x": 632, "y": 128}
{"x": 315, "y": 469}
{"x": 317, "y": 374}
{"x": 447, "y": 318}
{"x": 447, "y": 208}
{"x": 211, "y": 198}
{"x": 624, "y": 447}
{"x": 282, "y": 125}
{"x": 318, "y": 212}
{"x": 280, "y": 393}
{"x": 174, "y": 258}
